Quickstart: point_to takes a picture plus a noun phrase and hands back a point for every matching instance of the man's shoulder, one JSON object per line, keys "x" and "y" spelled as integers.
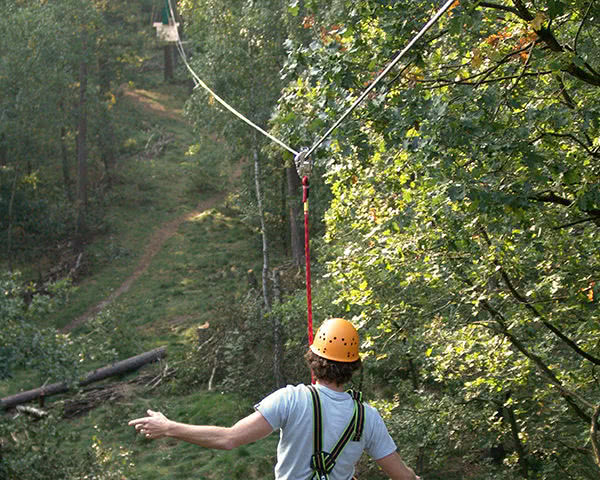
{"x": 290, "y": 391}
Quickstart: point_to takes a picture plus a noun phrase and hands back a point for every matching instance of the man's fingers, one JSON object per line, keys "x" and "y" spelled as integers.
{"x": 137, "y": 421}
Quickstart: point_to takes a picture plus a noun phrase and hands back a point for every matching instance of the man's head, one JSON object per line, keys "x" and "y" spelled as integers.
{"x": 333, "y": 355}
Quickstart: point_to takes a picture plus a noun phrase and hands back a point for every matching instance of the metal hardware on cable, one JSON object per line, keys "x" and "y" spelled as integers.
{"x": 392, "y": 64}
{"x": 303, "y": 163}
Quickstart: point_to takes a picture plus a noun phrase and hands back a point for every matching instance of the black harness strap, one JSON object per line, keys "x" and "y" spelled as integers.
{"x": 360, "y": 420}
{"x": 323, "y": 462}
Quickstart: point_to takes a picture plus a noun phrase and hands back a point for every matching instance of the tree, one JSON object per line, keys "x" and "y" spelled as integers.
{"x": 58, "y": 78}
{"x": 464, "y": 219}
{"x": 240, "y": 50}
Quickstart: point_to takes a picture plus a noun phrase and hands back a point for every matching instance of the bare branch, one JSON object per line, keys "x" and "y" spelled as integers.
{"x": 576, "y": 140}
{"x": 581, "y": 25}
{"x": 525, "y": 66}
{"x": 495, "y": 6}
{"x": 565, "y": 93}
{"x": 481, "y": 82}
{"x": 577, "y": 222}
{"x": 533, "y": 309}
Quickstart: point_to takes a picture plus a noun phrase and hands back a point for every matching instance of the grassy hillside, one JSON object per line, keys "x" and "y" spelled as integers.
{"x": 175, "y": 253}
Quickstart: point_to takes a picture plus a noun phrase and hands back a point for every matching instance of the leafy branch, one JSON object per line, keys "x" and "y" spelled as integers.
{"x": 590, "y": 76}
{"x": 536, "y": 313}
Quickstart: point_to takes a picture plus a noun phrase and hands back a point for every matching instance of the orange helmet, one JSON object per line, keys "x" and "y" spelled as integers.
{"x": 336, "y": 339}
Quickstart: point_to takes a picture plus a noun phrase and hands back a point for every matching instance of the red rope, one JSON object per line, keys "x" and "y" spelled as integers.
{"x": 305, "y": 187}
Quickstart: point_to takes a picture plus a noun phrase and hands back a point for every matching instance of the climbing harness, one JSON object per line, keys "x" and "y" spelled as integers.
{"x": 323, "y": 462}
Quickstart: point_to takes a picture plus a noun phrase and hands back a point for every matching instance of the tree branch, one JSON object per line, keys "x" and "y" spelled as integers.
{"x": 551, "y": 197}
{"x": 581, "y": 25}
{"x": 576, "y": 222}
{"x": 545, "y": 34}
{"x": 536, "y": 313}
{"x": 594, "y": 435}
{"x": 495, "y": 6}
{"x": 522, "y": 11}
{"x": 565, "y": 393}
{"x": 481, "y": 82}
{"x": 565, "y": 93}
{"x": 576, "y": 140}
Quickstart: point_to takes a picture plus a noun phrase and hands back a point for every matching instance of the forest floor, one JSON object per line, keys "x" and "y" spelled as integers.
{"x": 173, "y": 256}
{"x": 152, "y": 247}
{"x": 154, "y": 103}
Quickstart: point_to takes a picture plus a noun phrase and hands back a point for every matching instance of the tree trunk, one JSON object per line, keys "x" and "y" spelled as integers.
{"x": 82, "y": 154}
{"x": 107, "y": 131}
{"x": 277, "y": 335}
{"x": 3, "y": 151}
{"x": 169, "y": 68}
{"x": 594, "y": 435}
{"x": 11, "y": 204}
{"x": 514, "y": 429}
{"x": 294, "y": 198}
{"x": 263, "y": 229}
{"x": 119, "y": 368}
{"x": 66, "y": 171}
{"x": 283, "y": 213}
{"x": 265, "y": 272}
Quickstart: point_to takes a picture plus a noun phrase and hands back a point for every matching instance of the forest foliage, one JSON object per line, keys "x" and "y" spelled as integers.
{"x": 455, "y": 212}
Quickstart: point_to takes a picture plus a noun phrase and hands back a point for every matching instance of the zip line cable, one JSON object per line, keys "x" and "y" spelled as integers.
{"x": 198, "y": 82}
{"x": 305, "y": 154}
{"x": 392, "y": 64}
{"x": 302, "y": 159}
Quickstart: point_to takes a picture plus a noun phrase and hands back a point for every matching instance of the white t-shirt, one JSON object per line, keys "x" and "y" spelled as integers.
{"x": 290, "y": 409}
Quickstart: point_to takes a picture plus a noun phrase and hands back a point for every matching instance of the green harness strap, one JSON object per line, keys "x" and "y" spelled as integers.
{"x": 323, "y": 462}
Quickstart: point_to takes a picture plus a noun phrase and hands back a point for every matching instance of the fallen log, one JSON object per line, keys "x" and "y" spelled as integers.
{"x": 124, "y": 366}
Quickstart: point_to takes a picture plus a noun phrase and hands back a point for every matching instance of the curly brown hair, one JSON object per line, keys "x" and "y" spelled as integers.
{"x": 330, "y": 370}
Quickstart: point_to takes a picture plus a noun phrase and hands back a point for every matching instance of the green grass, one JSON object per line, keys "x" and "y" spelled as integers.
{"x": 167, "y": 458}
{"x": 148, "y": 192}
{"x": 202, "y": 265}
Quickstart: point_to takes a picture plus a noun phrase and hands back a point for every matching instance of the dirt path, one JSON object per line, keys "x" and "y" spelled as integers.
{"x": 152, "y": 248}
{"x": 151, "y": 102}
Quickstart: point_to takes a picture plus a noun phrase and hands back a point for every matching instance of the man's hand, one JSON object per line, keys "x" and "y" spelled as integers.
{"x": 155, "y": 425}
{"x": 395, "y": 468}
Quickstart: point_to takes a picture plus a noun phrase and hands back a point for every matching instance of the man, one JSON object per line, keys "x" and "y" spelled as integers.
{"x": 306, "y": 415}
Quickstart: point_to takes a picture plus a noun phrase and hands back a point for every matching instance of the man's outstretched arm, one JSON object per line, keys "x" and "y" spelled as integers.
{"x": 247, "y": 430}
{"x": 395, "y": 468}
